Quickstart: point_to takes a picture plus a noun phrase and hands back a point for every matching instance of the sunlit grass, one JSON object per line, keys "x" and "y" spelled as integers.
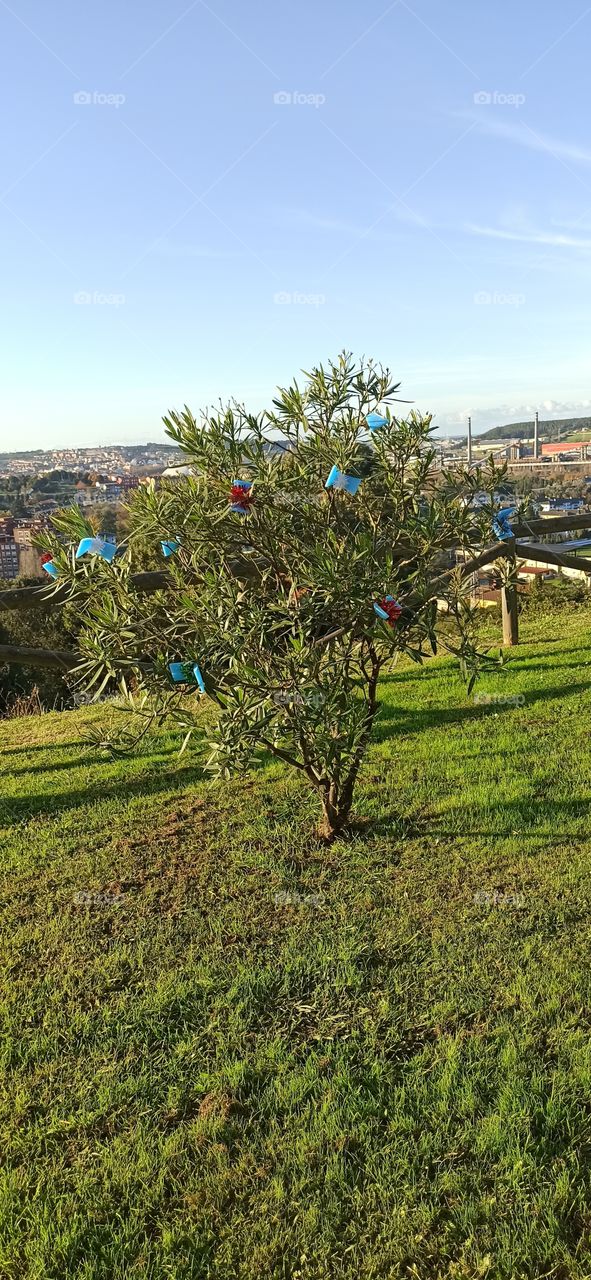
{"x": 383, "y": 1071}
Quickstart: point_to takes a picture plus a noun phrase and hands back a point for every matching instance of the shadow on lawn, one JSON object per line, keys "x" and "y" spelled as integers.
{"x": 17, "y": 808}
{"x": 523, "y": 664}
{"x": 525, "y": 819}
{"x": 24, "y": 748}
{"x": 87, "y": 761}
{"x": 393, "y": 720}
{"x": 407, "y": 720}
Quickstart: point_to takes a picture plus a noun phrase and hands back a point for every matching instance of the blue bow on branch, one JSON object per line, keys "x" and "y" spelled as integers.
{"x": 501, "y": 527}
{"x": 339, "y": 480}
{"x": 187, "y": 673}
{"x": 375, "y": 421}
{"x": 96, "y": 547}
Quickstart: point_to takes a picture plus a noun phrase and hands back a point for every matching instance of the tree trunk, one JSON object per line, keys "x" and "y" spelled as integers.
{"x": 334, "y": 815}
{"x": 337, "y": 798}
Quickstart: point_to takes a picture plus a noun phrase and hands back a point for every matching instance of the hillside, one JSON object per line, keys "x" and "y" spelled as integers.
{"x": 548, "y": 430}
{"x": 230, "y": 1054}
{"x": 127, "y": 451}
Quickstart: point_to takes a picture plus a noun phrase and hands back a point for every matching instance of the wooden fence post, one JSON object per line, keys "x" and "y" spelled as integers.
{"x": 510, "y": 604}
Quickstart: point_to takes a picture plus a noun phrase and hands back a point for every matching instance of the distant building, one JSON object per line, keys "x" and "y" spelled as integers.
{"x": 8, "y": 557}
{"x": 567, "y": 446}
{"x": 562, "y": 504}
{"x": 29, "y": 558}
{"x": 177, "y": 472}
{"x": 571, "y": 548}
{"x": 112, "y": 492}
{"x": 92, "y": 497}
{"x": 519, "y": 450}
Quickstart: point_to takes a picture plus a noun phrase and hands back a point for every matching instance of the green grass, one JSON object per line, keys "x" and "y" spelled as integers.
{"x": 388, "y": 1075}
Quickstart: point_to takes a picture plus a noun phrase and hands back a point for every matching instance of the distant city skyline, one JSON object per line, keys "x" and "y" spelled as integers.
{"x": 521, "y": 414}
{"x": 199, "y": 201}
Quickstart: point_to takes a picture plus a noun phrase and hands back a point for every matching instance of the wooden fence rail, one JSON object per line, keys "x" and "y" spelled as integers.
{"x": 148, "y": 582}
{"x": 59, "y": 659}
{"x": 27, "y": 597}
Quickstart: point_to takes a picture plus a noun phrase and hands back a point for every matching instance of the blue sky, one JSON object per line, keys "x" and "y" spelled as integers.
{"x": 199, "y": 199}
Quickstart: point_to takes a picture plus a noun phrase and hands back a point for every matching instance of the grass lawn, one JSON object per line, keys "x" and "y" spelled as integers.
{"x": 229, "y": 1053}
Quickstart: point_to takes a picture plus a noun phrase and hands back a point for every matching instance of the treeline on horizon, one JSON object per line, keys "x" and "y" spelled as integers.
{"x": 547, "y": 427}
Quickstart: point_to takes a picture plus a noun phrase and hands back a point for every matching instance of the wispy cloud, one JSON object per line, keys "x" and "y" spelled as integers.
{"x": 341, "y": 226}
{"x": 522, "y": 135}
{"x": 516, "y": 229}
{"x": 573, "y": 224}
{"x": 554, "y": 239}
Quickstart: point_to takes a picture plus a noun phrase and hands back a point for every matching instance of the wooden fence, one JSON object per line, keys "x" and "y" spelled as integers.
{"x": 511, "y": 549}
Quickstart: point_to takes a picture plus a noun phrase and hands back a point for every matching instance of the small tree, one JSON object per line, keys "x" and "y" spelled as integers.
{"x": 272, "y": 589}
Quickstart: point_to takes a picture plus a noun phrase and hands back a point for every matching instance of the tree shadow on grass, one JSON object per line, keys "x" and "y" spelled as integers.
{"x": 524, "y": 664}
{"x": 78, "y": 762}
{"x": 160, "y": 778}
{"x": 406, "y": 720}
{"x": 25, "y": 749}
{"x": 50, "y": 804}
{"x": 551, "y": 815}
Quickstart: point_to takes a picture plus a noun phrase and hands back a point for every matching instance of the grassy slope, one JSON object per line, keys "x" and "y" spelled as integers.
{"x": 388, "y": 1077}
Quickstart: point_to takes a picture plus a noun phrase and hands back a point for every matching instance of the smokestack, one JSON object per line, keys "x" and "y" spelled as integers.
{"x": 469, "y": 441}
{"x": 536, "y": 446}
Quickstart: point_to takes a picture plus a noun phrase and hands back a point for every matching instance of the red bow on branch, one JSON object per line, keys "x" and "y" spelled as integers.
{"x": 240, "y": 497}
{"x": 390, "y": 607}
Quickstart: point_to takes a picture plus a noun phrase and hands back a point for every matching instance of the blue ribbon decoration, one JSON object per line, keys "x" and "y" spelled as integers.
{"x": 339, "y": 480}
{"x": 96, "y": 547}
{"x": 375, "y": 421}
{"x": 186, "y": 672}
{"x": 500, "y": 525}
{"x": 169, "y": 546}
{"x": 199, "y": 677}
{"x": 51, "y": 568}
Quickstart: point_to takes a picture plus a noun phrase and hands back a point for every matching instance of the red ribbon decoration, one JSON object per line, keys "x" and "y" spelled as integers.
{"x": 391, "y": 608}
{"x": 240, "y": 497}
